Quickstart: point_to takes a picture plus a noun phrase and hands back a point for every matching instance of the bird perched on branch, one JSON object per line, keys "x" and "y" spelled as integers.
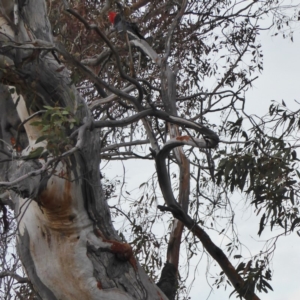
{"x": 122, "y": 26}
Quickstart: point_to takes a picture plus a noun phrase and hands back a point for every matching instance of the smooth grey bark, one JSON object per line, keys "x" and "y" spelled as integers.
{"x": 66, "y": 240}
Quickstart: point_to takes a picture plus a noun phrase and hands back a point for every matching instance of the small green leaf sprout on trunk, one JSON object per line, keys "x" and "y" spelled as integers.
{"x": 56, "y": 125}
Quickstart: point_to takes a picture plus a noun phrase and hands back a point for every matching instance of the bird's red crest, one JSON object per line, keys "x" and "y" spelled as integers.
{"x": 111, "y": 16}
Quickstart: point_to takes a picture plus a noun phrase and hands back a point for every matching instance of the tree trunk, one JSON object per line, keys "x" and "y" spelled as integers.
{"x": 66, "y": 240}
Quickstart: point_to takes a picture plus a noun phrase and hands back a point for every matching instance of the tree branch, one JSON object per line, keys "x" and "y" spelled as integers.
{"x": 107, "y": 41}
{"x": 15, "y": 276}
{"x": 211, "y": 138}
{"x": 133, "y": 143}
{"x": 97, "y": 102}
{"x": 215, "y": 252}
{"x": 172, "y": 29}
{"x": 139, "y": 4}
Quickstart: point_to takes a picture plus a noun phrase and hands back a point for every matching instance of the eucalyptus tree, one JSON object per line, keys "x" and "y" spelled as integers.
{"x": 74, "y": 91}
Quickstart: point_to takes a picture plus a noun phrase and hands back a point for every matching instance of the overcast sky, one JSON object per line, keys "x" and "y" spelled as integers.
{"x": 279, "y": 80}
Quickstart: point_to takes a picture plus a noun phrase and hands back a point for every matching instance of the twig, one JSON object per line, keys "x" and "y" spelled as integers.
{"x": 14, "y": 276}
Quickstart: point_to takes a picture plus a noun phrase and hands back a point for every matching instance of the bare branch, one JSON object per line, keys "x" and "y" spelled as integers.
{"x": 139, "y": 4}
{"x": 217, "y": 253}
{"x": 161, "y": 169}
{"x": 97, "y": 102}
{"x": 211, "y": 138}
{"x": 172, "y": 29}
{"x": 96, "y": 60}
{"x": 107, "y": 41}
{"x": 15, "y": 276}
{"x": 133, "y": 143}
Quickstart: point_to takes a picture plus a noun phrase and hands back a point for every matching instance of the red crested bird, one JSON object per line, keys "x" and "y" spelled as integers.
{"x": 123, "y": 26}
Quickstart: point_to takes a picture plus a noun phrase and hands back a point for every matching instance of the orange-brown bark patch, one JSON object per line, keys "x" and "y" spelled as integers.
{"x": 183, "y": 138}
{"x": 57, "y": 202}
{"x": 53, "y": 198}
{"x": 185, "y": 180}
{"x": 160, "y": 296}
{"x": 62, "y": 173}
{"x": 13, "y": 141}
{"x": 123, "y": 250}
{"x": 99, "y": 285}
{"x": 174, "y": 244}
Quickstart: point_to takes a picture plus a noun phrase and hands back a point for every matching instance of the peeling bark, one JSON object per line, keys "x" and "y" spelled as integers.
{"x": 66, "y": 240}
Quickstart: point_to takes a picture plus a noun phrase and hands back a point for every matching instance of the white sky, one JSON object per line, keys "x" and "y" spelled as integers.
{"x": 279, "y": 80}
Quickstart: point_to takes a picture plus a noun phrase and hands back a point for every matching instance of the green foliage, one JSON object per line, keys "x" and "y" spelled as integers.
{"x": 55, "y": 126}
{"x": 36, "y": 153}
{"x": 266, "y": 169}
{"x": 255, "y": 273}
